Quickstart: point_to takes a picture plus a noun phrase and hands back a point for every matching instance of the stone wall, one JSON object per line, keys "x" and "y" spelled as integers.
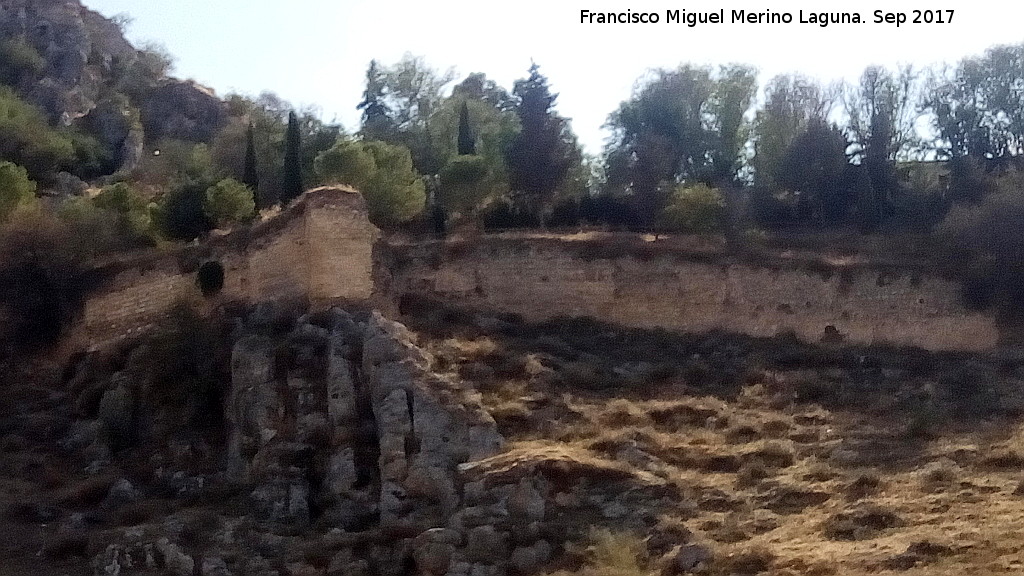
{"x": 318, "y": 251}
{"x": 542, "y": 279}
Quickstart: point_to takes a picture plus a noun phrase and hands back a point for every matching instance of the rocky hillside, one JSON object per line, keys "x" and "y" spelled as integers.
{"x": 343, "y": 443}
{"x": 77, "y": 66}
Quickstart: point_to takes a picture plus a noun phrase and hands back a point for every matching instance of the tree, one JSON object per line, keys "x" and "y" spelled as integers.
{"x": 16, "y": 190}
{"x": 733, "y": 94}
{"x": 179, "y": 214}
{"x": 881, "y": 122}
{"x": 377, "y": 123}
{"x": 268, "y": 115}
{"x": 384, "y": 174}
{"x": 250, "y": 176}
{"x": 228, "y": 202}
{"x": 467, "y": 142}
{"x": 19, "y": 62}
{"x": 544, "y": 150}
{"x": 792, "y": 102}
{"x": 478, "y": 87}
{"x": 291, "y": 184}
{"x": 27, "y": 139}
{"x": 813, "y": 169}
{"x": 978, "y": 106}
{"x": 463, "y": 183}
{"x": 398, "y": 104}
{"x": 695, "y": 209}
{"x": 680, "y": 126}
{"x": 130, "y": 208}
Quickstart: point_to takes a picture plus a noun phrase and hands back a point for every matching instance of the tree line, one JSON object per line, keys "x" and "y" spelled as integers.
{"x": 896, "y": 148}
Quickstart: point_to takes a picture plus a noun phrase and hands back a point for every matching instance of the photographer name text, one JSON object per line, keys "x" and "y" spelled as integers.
{"x": 722, "y": 16}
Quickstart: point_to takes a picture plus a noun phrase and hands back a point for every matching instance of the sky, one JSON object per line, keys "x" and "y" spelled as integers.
{"x": 315, "y": 52}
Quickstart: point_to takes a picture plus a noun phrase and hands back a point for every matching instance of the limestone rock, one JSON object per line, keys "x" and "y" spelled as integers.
{"x": 252, "y": 403}
{"x": 183, "y": 110}
{"x": 526, "y": 502}
{"x": 215, "y": 566}
{"x": 176, "y": 561}
{"x": 344, "y": 564}
{"x": 530, "y": 559}
{"x": 688, "y": 558}
{"x": 121, "y": 493}
{"x": 117, "y": 415}
{"x": 484, "y": 544}
{"x": 433, "y": 550}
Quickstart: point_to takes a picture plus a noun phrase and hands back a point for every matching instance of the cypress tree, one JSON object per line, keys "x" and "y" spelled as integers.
{"x": 249, "y": 177}
{"x": 291, "y": 184}
{"x": 467, "y": 144}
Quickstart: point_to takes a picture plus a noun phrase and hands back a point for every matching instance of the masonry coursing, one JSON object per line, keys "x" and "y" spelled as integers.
{"x": 324, "y": 250}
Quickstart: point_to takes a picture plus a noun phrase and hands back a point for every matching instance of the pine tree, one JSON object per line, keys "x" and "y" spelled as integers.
{"x": 542, "y": 153}
{"x": 291, "y": 184}
{"x": 377, "y": 121}
{"x": 250, "y": 177}
{"x": 467, "y": 143}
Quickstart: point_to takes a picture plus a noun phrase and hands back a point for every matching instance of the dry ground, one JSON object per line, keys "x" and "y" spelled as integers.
{"x": 789, "y": 459}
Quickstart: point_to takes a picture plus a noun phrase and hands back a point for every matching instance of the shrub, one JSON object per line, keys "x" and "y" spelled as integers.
{"x": 984, "y": 242}
{"x": 613, "y": 554}
{"x": 383, "y": 173}
{"x": 180, "y": 214}
{"x": 698, "y": 208}
{"x": 16, "y": 190}
{"x": 128, "y": 208}
{"x": 41, "y": 285}
{"x": 228, "y": 202}
{"x": 463, "y": 183}
{"x": 19, "y": 61}
{"x": 182, "y": 366}
{"x": 27, "y": 139}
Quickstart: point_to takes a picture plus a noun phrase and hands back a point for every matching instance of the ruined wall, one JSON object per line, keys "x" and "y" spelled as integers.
{"x": 542, "y": 280}
{"x": 317, "y": 251}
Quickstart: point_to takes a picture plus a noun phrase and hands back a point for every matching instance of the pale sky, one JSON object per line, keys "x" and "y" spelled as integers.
{"x": 315, "y": 52}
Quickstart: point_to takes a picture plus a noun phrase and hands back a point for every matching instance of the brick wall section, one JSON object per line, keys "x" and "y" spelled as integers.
{"x": 136, "y": 299}
{"x": 318, "y": 250}
{"x": 340, "y": 252}
{"x": 541, "y": 281}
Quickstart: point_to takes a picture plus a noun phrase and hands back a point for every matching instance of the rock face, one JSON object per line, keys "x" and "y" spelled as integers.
{"x": 87, "y": 60}
{"x": 344, "y": 440}
{"x": 184, "y": 110}
{"x": 80, "y": 48}
{"x": 349, "y": 419}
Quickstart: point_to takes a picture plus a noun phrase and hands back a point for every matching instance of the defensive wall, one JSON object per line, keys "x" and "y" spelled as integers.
{"x": 697, "y": 291}
{"x": 323, "y": 249}
{"x": 319, "y": 249}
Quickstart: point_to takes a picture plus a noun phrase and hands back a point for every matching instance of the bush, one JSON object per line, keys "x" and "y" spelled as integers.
{"x": 16, "y": 190}
{"x": 698, "y": 208}
{"x": 182, "y": 365}
{"x": 28, "y": 140}
{"x": 40, "y": 277}
{"x": 614, "y": 554}
{"x": 984, "y": 244}
{"x": 181, "y": 214}
{"x": 383, "y": 173}
{"x": 504, "y": 214}
{"x": 464, "y": 183}
{"x": 19, "y": 62}
{"x": 228, "y": 202}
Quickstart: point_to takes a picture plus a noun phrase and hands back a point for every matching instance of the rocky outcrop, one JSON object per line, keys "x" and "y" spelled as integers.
{"x": 345, "y": 441}
{"x": 353, "y": 410}
{"x": 81, "y": 48}
{"x": 91, "y": 70}
{"x": 183, "y": 110}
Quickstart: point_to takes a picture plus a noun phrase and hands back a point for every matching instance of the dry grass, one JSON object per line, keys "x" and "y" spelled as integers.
{"x": 613, "y": 554}
{"x": 791, "y": 461}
